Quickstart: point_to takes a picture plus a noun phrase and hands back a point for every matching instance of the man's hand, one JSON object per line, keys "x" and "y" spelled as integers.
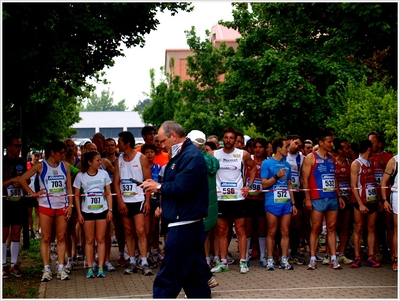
{"x": 150, "y": 185}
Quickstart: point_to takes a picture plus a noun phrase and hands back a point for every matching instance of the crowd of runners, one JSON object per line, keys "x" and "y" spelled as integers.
{"x": 277, "y": 198}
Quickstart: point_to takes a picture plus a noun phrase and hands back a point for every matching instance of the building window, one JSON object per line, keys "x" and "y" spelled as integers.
{"x": 111, "y": 132}
{"x": 137, "y": 132}
{"x": 84, "y": 133}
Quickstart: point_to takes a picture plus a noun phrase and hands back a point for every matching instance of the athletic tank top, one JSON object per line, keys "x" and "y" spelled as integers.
{"x": 366, "y": 182}
{"x": 257, "y": 185}
{"x": 54, "y": 181}
{"x": 378, "y": 168}
{"x": 95, "y": 185}
{"x": 295, "y": 161}
{"x": 342, "y": 174}
{"x": 322, "y": 179}
{"x": 128, "y": 172}
{"x": 229, "y": 175}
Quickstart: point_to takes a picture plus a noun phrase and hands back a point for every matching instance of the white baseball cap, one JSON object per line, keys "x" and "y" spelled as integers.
{"x": 197, "y": 137}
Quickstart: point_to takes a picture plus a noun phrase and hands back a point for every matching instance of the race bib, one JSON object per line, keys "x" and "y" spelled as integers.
{"x": 295, "y": 179}
{"x": 328, "y": 183}
{"x": 56, "y": 184}
{"x": 229, "y": 191}
{"x": 378, "y": 178}
{"x": 13, "y": 193}
{"x": 128, "y": 188}
{"x": 344, "y": 188}
{"x": 95, "y": 200}
{"x": 281, "y": 194}
{"x": 256, "y": 186}
{"x": 370, "y": 192}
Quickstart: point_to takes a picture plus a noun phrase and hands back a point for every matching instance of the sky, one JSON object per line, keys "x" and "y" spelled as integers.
{"x": 130, "y": 75}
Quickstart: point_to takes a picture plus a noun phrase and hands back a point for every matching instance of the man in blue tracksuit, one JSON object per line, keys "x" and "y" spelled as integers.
{"x": 184, "y": 204}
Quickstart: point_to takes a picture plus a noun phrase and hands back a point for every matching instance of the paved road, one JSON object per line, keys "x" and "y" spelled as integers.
{"x": 323, "y": 283}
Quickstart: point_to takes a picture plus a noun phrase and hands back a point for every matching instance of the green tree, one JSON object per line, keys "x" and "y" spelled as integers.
{"x": 104, "y": 102}
{"x": 60, "y": 45}
{"x": 141, "y": 105}
{"x": 201, "y": 106}
{"x": 291, "y": 55}
{"x": 367, "y": 108}
{"x": 163, "y": 100}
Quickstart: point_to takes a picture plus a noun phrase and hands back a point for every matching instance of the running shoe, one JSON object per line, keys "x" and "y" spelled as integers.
{"x": 312, "y": 265}
{"x": 212, "y": 282}
{"x": 6, "y": 272}
{"x": 100, "y": 273}
{"x": 31, "y": 234}
{"x": 244, "y": 269}
{"x": 68, "y": 267}
{"x": 131, "y": 269}
{"x": 146, "y": 270}
{"x": 152, "y": 264}
{"x": 95, "y": 267}
{"x": 155, "y": 257}
{"x": 38, "y": 235}
{"x": 371, "y": 262}
{"x": 285, "y": 265}
{"x": 263, "y": 262}
{"x": 122, "y": 261}
{"x": 356, "y": 262}
{"x": 47, "y": 276}
{"x": 297, "y": 260}
{"x": 79, "y": 252}
{"x": 160, "y": 257}
{"x": 326, "y": 260}
{"x": 109, "y": 267}
{"x": 270, "y": 264}
{"x": 343, "y": 259}
{"x": 394, "y": 267}
{"x": 89, "y": 273}
{"x": 62, "y": 275}
{"x": 114, "y": 243}
{"x": 216, "y": 261}
{"x": 318, "y": 258}
{"x": 335, "y": 264}
{"x": 15, "y": 271}
{"x": 230, "y": 259}
{"x": 220, "y": 267}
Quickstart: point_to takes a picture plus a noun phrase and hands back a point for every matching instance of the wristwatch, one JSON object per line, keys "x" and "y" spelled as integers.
{"x": 158, "y": 187}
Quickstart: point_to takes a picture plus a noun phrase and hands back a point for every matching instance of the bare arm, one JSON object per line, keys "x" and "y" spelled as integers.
{"x": 305, "y": 176}
{"x": 389, "y": 170}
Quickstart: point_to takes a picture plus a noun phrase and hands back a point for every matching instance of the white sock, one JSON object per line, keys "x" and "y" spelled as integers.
{"x": 14, "y": 248}
{"x": 248, "y": 245}
{"x": 132, "y": 260}
{"x": 60, "y": 267}
{"x": 262, "y": 241}
{"x": 333, "y": 257}
{"x": 144, "y": 261}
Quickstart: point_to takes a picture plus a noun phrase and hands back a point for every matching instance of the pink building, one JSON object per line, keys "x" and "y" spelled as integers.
{"x": 218, "y": 34}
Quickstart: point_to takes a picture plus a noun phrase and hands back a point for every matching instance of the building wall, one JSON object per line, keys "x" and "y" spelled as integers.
{"x": 109, "y": 123}
{"x": 218, "y": 34}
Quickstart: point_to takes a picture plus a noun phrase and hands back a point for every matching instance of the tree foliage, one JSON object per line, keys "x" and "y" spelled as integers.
{"x": 141, "y": 105}
{"x": 59, "y": 45}
{"x": 366, "y": 109}
{"x": 291, "y": 67}
{"x": 104, "y": 102}
{"x": 292, "y": 55}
